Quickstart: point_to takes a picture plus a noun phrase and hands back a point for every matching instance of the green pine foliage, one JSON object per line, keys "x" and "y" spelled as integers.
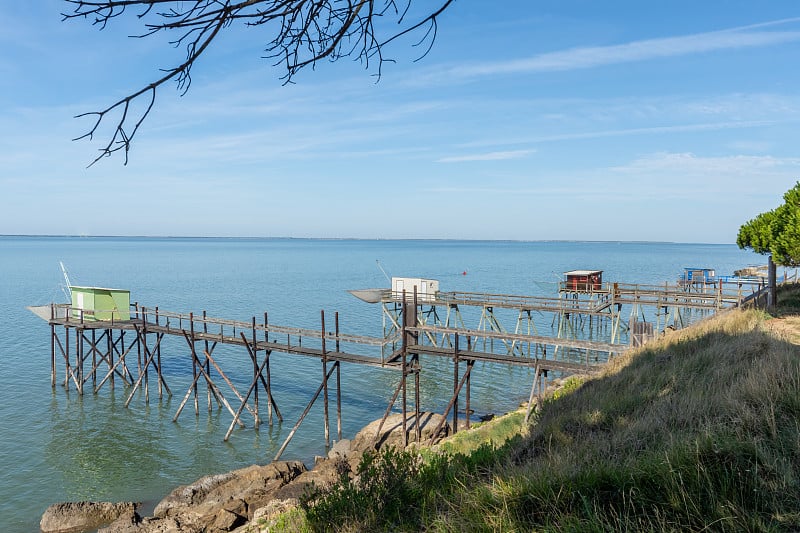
{"x": 776, "y": 232}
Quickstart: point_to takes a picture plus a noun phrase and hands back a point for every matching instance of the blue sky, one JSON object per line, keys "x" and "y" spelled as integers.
{"x": 578, "y": 120}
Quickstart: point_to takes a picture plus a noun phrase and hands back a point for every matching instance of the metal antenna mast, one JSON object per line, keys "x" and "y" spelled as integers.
{"x": 67, "y": 290}
{"x": 382, "y": 270}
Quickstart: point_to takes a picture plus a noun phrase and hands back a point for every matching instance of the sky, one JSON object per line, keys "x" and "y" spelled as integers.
{"x": 548, "y": 120}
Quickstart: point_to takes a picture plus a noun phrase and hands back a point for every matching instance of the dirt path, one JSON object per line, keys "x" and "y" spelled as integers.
{"x": 788, "y": 327}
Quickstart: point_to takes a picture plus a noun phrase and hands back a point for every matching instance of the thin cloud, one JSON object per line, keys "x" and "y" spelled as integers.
{"x": 491, "y": 156}
{"x": 712, "y": 126}
{"x": 694, "y": 167}
{"x": 597, "y": 56}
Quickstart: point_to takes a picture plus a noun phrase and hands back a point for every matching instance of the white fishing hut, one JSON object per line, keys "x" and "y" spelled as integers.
{"x": 426, "y": 288}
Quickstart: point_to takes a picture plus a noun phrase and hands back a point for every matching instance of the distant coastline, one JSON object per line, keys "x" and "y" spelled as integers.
{"x": 351, "y": 239}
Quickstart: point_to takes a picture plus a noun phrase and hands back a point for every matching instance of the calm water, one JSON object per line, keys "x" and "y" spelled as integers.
{"x": 58, "y": 446}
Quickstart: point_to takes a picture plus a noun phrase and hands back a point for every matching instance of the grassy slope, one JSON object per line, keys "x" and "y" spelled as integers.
{"x": 699, "y": 430}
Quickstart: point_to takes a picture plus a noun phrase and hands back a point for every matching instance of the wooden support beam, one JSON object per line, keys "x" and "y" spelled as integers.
{"x": 300, "y": 420}
{"x": 338, "y": 385}
{"x": 113, "y": 369}
{"x": 147, "y": 360}
{"x": 455, "y": 388}
{"x": 253, "y": 387}
{"x": 208, "y": 369}
{"x": 534, "y": 387}
{"x": 415, "y": 365}
{"x": 324, "y": 359}
{"x": 256, "y": 371}
{"x": 388, "y": 410}
{"x": 195, "y": 362}
{"x": 268, "y": 382}
{"x": 193, "y": 387}
{"x": 450, "y": 405}
{"x": 79, "y": 359}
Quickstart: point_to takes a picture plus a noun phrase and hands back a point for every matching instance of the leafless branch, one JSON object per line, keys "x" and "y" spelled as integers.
{"x": 305, "y": 32}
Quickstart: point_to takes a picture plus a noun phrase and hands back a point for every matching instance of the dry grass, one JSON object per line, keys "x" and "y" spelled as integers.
{"x": 700, "y": 429}
{"x": 697, "y": 431}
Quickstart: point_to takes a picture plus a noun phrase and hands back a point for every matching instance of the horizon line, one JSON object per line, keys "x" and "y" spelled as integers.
{"x": 433, "y": 239}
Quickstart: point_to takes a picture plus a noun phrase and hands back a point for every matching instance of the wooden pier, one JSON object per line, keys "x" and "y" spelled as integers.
{"x": 126, "y": 348}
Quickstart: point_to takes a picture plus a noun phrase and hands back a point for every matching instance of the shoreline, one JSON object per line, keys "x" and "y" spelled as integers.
{"x": 150, "y": 514}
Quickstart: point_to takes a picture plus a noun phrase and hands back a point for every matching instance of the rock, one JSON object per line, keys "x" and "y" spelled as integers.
{"x": 274, "y": 508}
{"x": 124, "y": 524}
{"x": 215, "y": 504}
{"x": 251, "y": 487}
{"x": 84, "y": 516}
{"x": 190, "y": 494}
{"x": 149, "y": 525}
{"x": 227, "y": 521}
{"x": 324, "y": 474}
{"x": 266, "y": 517}
{"x": 340, "y": 449}
{"x": 392, "y": 431}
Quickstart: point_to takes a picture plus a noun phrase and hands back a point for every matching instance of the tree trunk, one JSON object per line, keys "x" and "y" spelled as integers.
{"x": 772, "y": 293}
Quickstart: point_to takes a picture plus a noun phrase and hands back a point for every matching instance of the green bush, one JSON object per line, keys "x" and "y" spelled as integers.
{"x": 393, "y": 490}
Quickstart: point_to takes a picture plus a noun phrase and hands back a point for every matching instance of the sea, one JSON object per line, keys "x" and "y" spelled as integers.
{"x": 56, "y": 445}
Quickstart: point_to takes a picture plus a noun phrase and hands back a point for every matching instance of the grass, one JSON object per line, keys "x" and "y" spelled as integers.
{"x": 698, "y": 431}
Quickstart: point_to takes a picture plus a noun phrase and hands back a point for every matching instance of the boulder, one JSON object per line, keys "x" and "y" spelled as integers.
{"x": 191, "y": 494}
{"x": 274, "y": 509}
{"x": 325, "y": 473}
{"x": 246, "y": 489}
{"x": 215, "y": 504}
{"x": 340, "y": 449}
{"x": 227, "y": 520}
{"x": 149, "y": 525}
{"x": 392, "y": 431}
{"x": 71, "y": 517}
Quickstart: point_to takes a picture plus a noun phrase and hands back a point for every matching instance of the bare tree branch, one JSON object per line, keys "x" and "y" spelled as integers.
{"x": 305, "y": 32}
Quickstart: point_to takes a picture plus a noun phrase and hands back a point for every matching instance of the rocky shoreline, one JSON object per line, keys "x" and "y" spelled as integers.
{"x": 238, "y": 500}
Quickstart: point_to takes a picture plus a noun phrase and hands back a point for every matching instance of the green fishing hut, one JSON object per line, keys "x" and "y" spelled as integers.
{"x": 99, "y": 303}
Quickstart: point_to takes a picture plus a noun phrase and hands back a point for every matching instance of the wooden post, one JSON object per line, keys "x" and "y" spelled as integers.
{"x": 338, "y": 384}
{"x": 208, "y": 368}
{"x": 470, "y": 364}
{"x": 194, "y": 363}
{"x": 268, "y": 384}
{"x": 79, "y": 357}
{"x": 534, "y": 387}
{"x": 405, "y": 407}
{"x": 148, "y": 360}
{"x": 158, "y": 365}
{"x": 138, "y": 350}
{"x": 256, "y": 374}
{"x": 407, "y": 322}
{"x": 94, "y": 358}
{"x": 455, "y": 390}
{"x": 386, "y": 413}
{"x": 125, "y": 371}
{"x": 143, "y": 334}
{"x": 52, "y": 347}
{"x": 325, "y": 383}
{"x": 67, "y": 369}
{"x": 450, "y": 405}
{"x": 416, "y": 370}
{"x": 110, "y": 350}
{"x": 300, "y": 421}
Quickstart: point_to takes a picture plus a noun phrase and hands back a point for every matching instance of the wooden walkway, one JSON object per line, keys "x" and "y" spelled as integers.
{"x": 130, "y": 351}
{"x": 594, "y": 302}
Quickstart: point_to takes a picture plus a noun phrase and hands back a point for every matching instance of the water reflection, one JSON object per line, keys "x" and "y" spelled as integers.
{"x": 98, "y": 449}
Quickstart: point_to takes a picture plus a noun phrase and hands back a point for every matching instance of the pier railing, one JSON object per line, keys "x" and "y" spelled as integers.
{"x": 210, "y": 327}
